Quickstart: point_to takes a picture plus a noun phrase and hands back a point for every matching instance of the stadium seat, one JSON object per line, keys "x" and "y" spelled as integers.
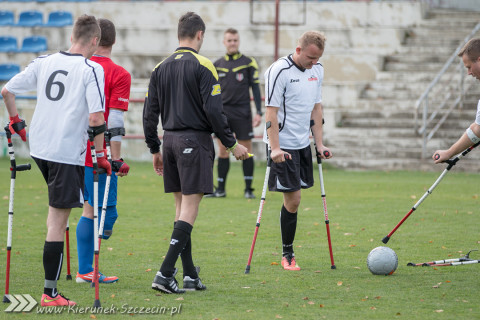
{"x": 34, "y": 44}
{"x": 8, "y": 70}
{"x": 59, "y": 19}
{"x": 6, "y": 18}
{"x": 30, "y": 18}
{"x": 8, "y": 44}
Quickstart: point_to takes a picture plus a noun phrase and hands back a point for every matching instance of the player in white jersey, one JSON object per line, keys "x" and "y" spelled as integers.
{"x": 293, "y": 97}
{"x": 470, "y": 55}
{"x": 70, "y": 99}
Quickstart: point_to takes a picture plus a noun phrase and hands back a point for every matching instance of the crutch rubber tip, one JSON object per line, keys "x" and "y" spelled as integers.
{"x": 97, "y": 304}
{"x": 247, "y": 270}
{"x": 425, "y": 265}
{"x": 92, "y": 284}
{"x": 410, "y": 264}
{"x": 385, "y": 239}
{"x": 333, "y": 267}
{"x": 69, "y": 277}
{"x": 5, "y": 299}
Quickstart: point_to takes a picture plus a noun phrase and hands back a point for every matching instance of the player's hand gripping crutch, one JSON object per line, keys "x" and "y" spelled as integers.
{"x": 324, "y": 199}
{"x": 107, "y": 190}
{"x": 13, "y": 173}
{"x": 262, "y": 201}
{"x": 91, "y": 136}
{"x": 450, "y": 163}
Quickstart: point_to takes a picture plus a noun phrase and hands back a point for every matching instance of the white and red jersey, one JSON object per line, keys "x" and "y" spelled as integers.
{"x": 69, "y": 87}
{"x": 295, "y": 91}
{"x": 117, "y": 91}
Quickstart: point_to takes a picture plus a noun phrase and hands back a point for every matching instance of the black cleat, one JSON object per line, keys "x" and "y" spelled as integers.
{"x": 216, "y": 194}
{"x": 249, "y": 194}
{"x": 166, "y": 284}
{"x": 193, "y": 284}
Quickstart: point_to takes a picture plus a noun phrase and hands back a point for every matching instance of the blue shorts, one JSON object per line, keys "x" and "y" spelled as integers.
{"x": 112, "y": 214}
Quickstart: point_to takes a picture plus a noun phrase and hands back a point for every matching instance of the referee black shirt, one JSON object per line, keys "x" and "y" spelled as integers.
{"x": 184, "y": 90}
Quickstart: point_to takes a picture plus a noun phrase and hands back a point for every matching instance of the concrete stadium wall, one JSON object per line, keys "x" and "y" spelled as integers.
{"x": 358, "y": 35}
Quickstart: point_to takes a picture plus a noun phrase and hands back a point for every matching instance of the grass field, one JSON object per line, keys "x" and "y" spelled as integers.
{"x": 363, "y": 208}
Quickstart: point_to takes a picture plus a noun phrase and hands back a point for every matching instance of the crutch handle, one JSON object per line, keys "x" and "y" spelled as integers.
{"x": 437, "y": 156}
{"x": 326, "y": 153}
{"x": 23, "y": 167}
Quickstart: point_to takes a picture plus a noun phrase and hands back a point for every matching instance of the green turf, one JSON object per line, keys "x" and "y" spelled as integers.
{"x": 363, "y": 208}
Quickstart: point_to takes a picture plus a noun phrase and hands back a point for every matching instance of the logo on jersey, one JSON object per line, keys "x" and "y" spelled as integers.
{"x": 173, "y": 242}
{"x": 222, "y": 74}
{"x": 239, "y": 77}
{"x": 122, "y": 99}
{"x": 216, "y": 90}
{"x": 294, "y": 80}
{"x": 178, "y": 56}
{"x": 187, "y": 150}
{"x": 313, "y": 78}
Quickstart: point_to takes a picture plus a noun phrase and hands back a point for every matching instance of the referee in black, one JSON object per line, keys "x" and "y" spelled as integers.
{"x": 237, "y": 73}
{"x": 184, "y": 91}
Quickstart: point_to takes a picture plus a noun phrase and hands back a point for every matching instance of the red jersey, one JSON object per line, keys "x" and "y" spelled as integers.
{"x": 117, "y": 91}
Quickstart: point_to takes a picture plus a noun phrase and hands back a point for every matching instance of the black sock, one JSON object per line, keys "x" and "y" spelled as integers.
{"x": 288, "y": 224}
{"x": 180, "y": 237}
{"x": 52, "y": 264}
{"x": 248, "y": 172}
{"x": 187, "y": 260}
{"x": 223, "y": 167}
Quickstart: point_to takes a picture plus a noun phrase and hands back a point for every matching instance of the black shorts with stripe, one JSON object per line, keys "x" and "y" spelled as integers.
{"x": 294, "y": 174}
{"x": 188, "y": 162}
{"x": 65, "y": 183}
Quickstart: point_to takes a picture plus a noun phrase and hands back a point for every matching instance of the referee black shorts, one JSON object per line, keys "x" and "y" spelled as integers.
{"x": 188, "y": 162}
{"x": 65, "y": 183}
{"x": 242, "y": 128}
{"x": 294, "y": 174}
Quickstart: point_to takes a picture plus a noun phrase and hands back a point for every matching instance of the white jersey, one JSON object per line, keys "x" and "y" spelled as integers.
{"x": 295, "y": 91}
{"x": 69, "y": 87}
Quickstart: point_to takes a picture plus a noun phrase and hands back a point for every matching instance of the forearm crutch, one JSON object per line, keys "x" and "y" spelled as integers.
{"x": 67, "y": 242}
{"x": 262, "y": 201}
{"x": 107, "y": 190}
{"x": 13, "y": 169}
{"x": 324, "y": 199}
{"x": 447, "y": 262}
{"x": 450, "y": 163}
{"x": 91, "y": 136}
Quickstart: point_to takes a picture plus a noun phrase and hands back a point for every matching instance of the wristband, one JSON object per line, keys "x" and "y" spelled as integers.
{"x": 233, "y": 147}
{"x": 472, "y": 136}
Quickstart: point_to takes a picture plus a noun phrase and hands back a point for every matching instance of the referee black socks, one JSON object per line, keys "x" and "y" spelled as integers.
{"x": 288, "y": 225}
{"x": 180, "y": 237}
{"x": 223, "y": 167}
{"x": 247, "y": 165}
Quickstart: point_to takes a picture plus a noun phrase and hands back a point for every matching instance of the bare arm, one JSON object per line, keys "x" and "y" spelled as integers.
{"x": 462, "y": 143}
{"x": 317, "y": 129}
{"x": 277, "y": 155}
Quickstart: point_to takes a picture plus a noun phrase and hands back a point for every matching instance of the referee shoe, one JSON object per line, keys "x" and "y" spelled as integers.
{"x": 190, "y": 284}
{"x": 216, "y": 194}
{"x": 166, "y": 284}
{"x": 249, "y": 194}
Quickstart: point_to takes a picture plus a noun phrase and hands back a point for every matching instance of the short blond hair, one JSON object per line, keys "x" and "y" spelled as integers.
{"x": 312, "y": 37}
{"x": 471, "y": 49}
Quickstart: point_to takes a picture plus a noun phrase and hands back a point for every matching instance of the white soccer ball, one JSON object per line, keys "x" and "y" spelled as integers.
{"x": 382, "y": 260}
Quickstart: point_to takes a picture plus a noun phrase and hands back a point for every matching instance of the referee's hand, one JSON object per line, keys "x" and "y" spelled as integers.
{"x": 240, "y": 152}
{"x": 158, "y": 163}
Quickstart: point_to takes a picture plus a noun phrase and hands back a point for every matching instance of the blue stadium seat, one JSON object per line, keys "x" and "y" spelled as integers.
{"x": 30, "y": 18}
{"x": 8, "y": 70}
{"x": 34, "y": 44}
{"x": 8, "y": 44}
{"x": 6, "y": 18}
{"x": 59, "y": 19}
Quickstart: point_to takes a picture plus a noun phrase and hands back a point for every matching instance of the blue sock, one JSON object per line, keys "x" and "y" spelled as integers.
{"x": 85, "y": 245}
